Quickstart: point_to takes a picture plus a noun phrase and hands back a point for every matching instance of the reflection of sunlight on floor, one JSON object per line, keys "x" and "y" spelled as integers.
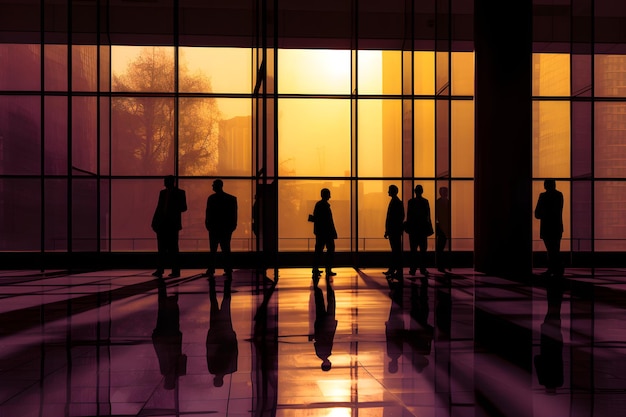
{"x": 338, "y": 389}
{"x": 339, "y": 412}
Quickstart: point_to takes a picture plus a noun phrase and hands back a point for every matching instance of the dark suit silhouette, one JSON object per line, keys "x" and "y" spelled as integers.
{"x": 222, "y": 350}
{"x": 419, "y": 227}
{"x": 220, "y": 221}
{"x": 549, "y": 211}
{"x": 325, "y": 324}
{"x": 167, "y": 338}
{"x": 393, "y": 231}
{"x": 166, "y": 222}
{"x": 325, "y": 233}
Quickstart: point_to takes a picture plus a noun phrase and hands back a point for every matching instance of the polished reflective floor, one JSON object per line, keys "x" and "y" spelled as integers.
{"x": 460, "y": 344}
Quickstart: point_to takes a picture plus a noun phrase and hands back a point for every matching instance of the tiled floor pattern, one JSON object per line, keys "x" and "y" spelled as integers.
{"x": 462, "y": 344}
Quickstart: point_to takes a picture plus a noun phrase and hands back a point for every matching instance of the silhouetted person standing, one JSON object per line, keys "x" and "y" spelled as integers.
{"x": 221, "y": 221}
{"x": 442, "y": 229}
{"x": 325, "y": 324}
{"x": 549, "y": 211}
{"x": 325, "y": 234}
{"x": 167, "y": 223}
{"x": 419, "y": 227}
{"x": 393, "y": 231}
{"x": 222, "y": 349}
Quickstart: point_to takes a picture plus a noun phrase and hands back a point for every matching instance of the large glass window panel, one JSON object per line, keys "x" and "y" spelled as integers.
{"x": 442, "y": 73}
{"x": 132, "y": 206}
{"x": 313, "y": 71}
{"x": 610, "y": 76}
{"x": 142, "y": 69}
{"x": 610, "y": 216}
{"x": 424, "y": 73}
{"x": 564, "y": 187}
{"x": 551, "y": 139}
{"x": 215, "y": 136}
{"x": 55, "y": 67}
{"x": 582, "y": 141}
{"x": 380, "y": 141}
{"x": 55, "y": 215}
{"x": 424, "y": 136}
{"x": 551, "y": 74}
{"x": 610, "y": 142}
{"x": 442, "y": 138}
{"x": 20, "y": 135}
{"x": 372, "y": 208}
{"x": 105, "y": 142}
{"x": 462, "y": 138}
{"x": 84, "y": 135}
{"x": 215, "y": 70}
{"x": 370, "y": 72}
{"x": 55, "y": 139}
{"x": 194, "y": 236}
{"x": 20, "y": 67}
{"x": 314, "y": 138}
{"x": 379, "y": 72}
{"x": 20, "y": 214}
{"x": 105, "y": 68}
{"x": 142, "y": 136}
{"x": 297, "y": 200}
{"x": 85, "y": 222}
{"x": 84, "y": 67}
{"x": 462, "y": 73}
{"x": 462, "y": 215}
{"x": 581, "y": 75}
{"x": 582, "y": 216}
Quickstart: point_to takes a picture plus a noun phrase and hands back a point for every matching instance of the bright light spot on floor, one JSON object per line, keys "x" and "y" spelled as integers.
{"x": 339, "y": 412}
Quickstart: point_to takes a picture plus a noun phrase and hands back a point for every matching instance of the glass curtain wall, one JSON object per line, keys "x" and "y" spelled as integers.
{"x": 88, "y": 131}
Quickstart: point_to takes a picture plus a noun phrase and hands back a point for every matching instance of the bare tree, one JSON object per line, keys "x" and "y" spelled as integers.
{"x": 143, "y": 122}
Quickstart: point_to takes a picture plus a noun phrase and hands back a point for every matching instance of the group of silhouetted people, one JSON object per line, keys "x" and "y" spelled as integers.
{"x": 221, "y": 222}
{"x": 419, "y": 226}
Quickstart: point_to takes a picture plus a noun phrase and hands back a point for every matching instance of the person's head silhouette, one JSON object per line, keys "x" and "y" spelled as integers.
{"x": 393, "y": 190}
{"x": 169, "y": 181}
{"x": 443, "y": 191}
{"x": 325, "y": 193}
{"x": 419, "y": 190}
{"x": 326, "y": 365}
{"x": 549, "y": 184}
{"x": 218, "y": 185}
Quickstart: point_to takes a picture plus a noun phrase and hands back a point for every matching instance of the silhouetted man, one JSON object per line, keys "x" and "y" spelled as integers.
{"x": 222, "y": 349}
{"x": 393, "y": 231}
{"x": 325, "y": 324}
{"x": 442, "y": 229}
{"x": 166, "y": 223}
{"x": 419, "y": 226}
{"x": 325, "y": 234}
{"x": 221, "y": 222}
{"x": 549, "y": 211}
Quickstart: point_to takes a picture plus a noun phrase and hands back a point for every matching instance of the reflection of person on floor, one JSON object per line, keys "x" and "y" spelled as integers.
{"x": 167, "y": 338}
{"x": 394, "y": 329}
{"x": 420, "y": 333}
{"x": 325, "y": 324}
{"x": 549, "y": 362}
{"x": 265, "y": 360}
{"x": 221, "y": 339}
